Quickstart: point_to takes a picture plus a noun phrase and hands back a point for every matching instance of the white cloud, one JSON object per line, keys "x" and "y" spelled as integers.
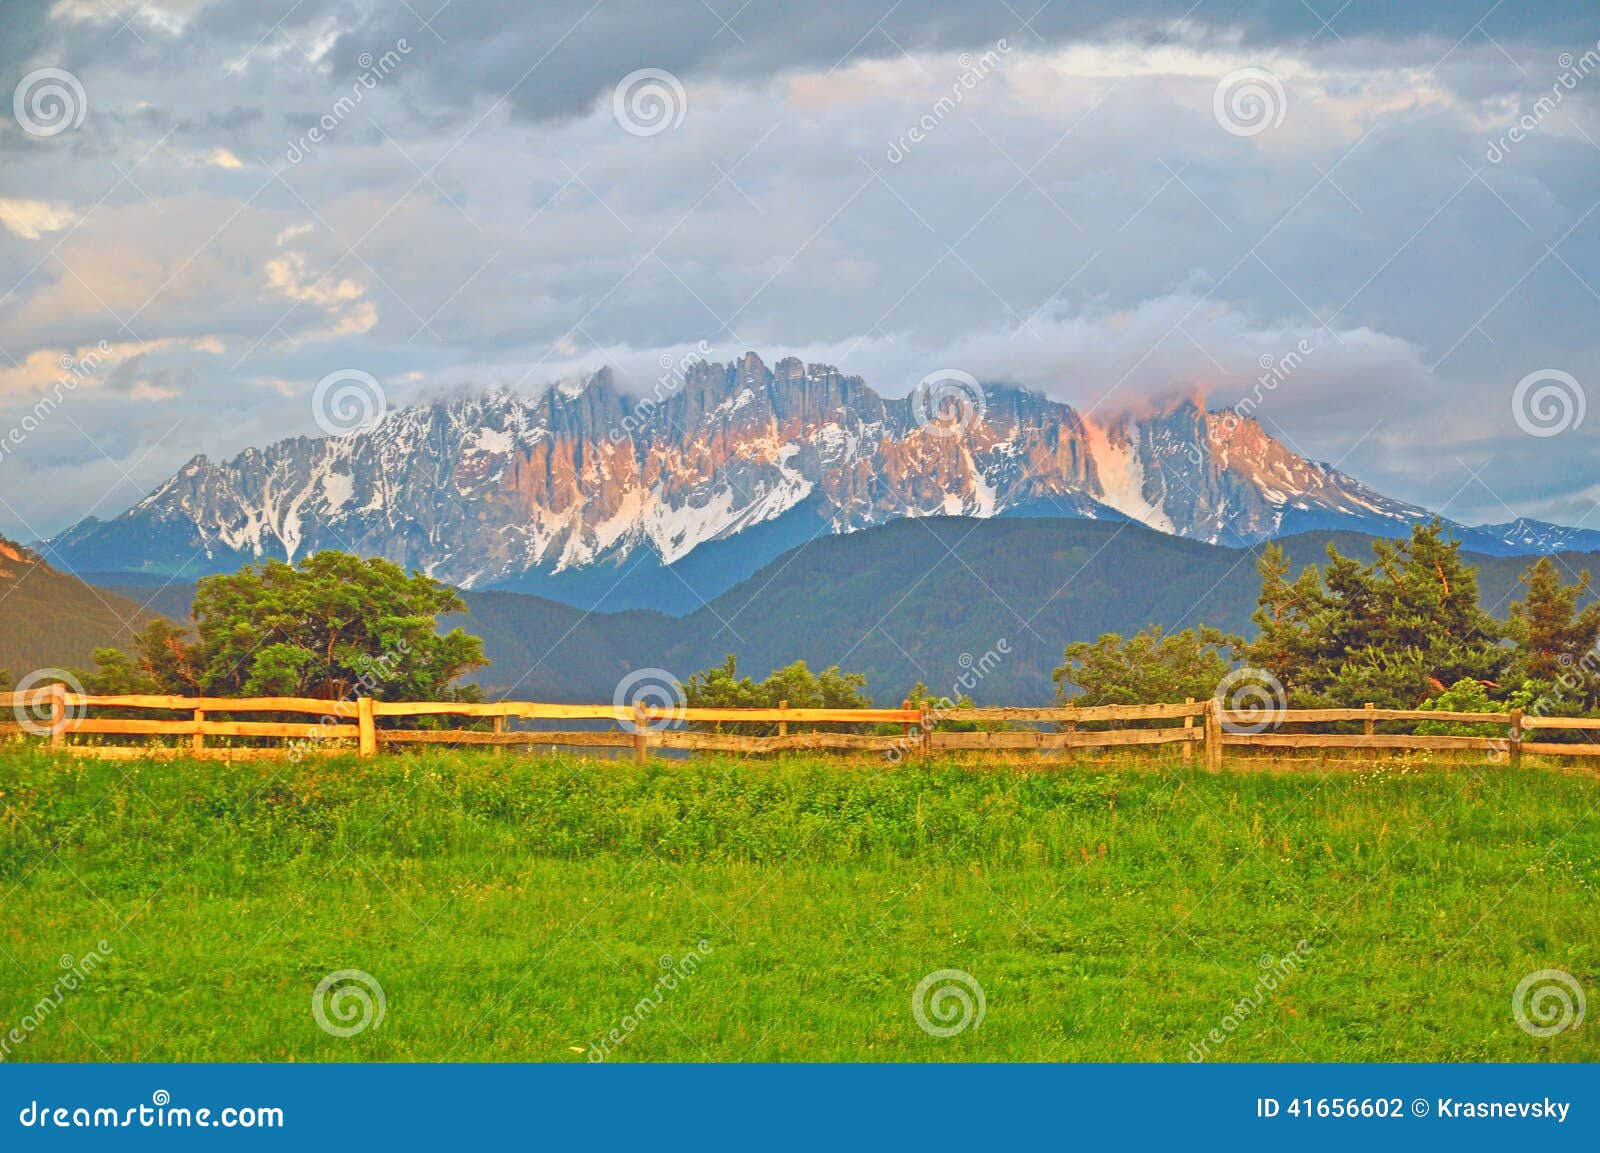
{"x": 341, "y": 300}
{"x": 31, "y": 219}
{"x": 1079, "y": 224}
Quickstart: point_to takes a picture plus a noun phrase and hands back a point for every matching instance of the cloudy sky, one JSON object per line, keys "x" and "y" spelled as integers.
{"x": 206, "y": 206}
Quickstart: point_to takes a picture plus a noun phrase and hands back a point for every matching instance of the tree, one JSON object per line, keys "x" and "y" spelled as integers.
{"x": 334, "y": 626}
{"x": 1394, "y": 632}
{"x": 722, "y": 687}
{"x": 1555, "y": 638}
{"x": 1469, "y": 696}
{"x": 118, "y": 674}
{"x": 166, "y": 656}
{"x": 1151, "y": 667}
{"x": 1294, "y": 622}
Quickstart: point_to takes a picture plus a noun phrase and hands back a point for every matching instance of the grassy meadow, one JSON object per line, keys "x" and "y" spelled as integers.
{"x": 522, "y": 908}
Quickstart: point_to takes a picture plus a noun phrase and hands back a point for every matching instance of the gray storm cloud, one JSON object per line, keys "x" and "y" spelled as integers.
{"x": 1071, "y": 212}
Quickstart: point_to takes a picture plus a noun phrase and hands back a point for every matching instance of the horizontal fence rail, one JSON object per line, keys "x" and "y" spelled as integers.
{"x": 366, "y": 726}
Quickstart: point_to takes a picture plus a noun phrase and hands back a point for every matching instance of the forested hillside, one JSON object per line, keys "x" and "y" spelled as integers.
{"x": 913, "y": 600}
{"x": 51, "y": 620}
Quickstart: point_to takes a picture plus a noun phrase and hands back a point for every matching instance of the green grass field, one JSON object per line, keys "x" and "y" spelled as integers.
{"x": 516, "y": 908}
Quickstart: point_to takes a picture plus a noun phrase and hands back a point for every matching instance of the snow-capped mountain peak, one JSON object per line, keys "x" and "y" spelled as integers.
{"x": 496, "y": 488}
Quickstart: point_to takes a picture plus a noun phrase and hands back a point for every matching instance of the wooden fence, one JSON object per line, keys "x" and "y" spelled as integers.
{"x": 367, "y": 727}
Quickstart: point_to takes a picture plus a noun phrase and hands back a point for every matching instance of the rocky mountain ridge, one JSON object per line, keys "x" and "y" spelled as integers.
{"x": 589, "y": 485}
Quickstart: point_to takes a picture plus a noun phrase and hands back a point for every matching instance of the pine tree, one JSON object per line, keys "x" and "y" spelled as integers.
{"x": 1394, "y": 632}
{"x": 1555, "y": 637}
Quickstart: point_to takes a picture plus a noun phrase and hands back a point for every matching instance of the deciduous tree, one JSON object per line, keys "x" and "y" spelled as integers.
{"x": 1150, "y": 667}
{"x": 332, "y": 626}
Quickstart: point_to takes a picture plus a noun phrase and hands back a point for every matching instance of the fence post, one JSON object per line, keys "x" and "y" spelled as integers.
{"x": 1214, "y": 737}
{"x": 58, "y": 715}
{"x": 198, "y": 741}
{"x": 1370, "y": 728}
{"x": 783, "y": 726}
{"x": 1516, "y": 737}
{"x": 1188, "y": 731}
{"x": 641, "y": 735}
{"x": 926, "y": 726}
{"x": 498, "y": 725}
{"x": 366, "y": 727}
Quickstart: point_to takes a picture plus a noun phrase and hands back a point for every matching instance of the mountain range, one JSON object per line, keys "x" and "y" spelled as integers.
{"x": 603, "y": 499}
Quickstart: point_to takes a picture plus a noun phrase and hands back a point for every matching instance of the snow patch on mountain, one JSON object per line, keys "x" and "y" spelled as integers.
{"x": 486, "y": 489}
{"x": 1121, "y": 473}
